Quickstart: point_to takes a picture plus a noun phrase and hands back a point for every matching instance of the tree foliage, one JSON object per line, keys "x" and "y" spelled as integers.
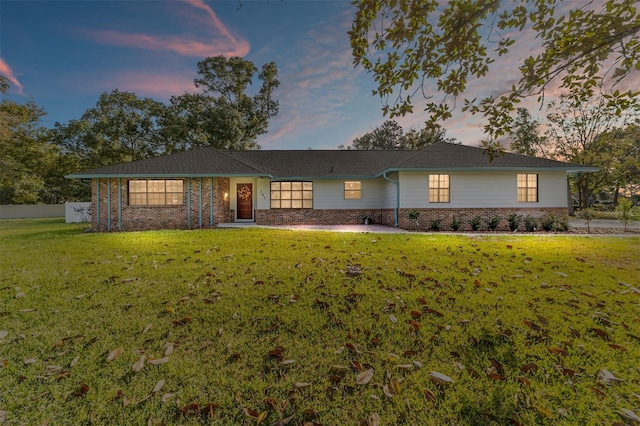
{"x": 123, "y": 127}
{"x": 28, "y": 162}
{"x": 224, "y": 114}
{"x": 391, "y": 136}
{"x": 420, "y": 47}
{"x": 525, "y": 137}
{"x": 120, "y": 128}
{"x": 586, "y": 133}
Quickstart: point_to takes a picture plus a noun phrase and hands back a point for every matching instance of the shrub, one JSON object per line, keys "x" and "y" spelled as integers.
{"x": 625, "y": 212}
{"x": 456, "y": 223}
{"x": 588, "y": 215}
{"x": 492, "y": 223}
{"x": 476, "y": 222}
{"x": 549, "y": 223}
{"x": 530, "y": 224}
{"x": 436, "y": 224}
{"x": 514, "y": 220}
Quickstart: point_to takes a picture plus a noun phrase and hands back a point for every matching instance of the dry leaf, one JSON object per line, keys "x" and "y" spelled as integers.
{"x": 74, "y": 361}
{"x": 393, "y": 318}
{"x": 300, "y": 385}
{"x": 629, "y": 415}
{"x": 139, "y": 365}
{"x": 159, "y": 361}
{"x": 169, "y": 350}
{"x": 167, "y": 396}
{"x": 364, "y": 377}
{"x": 115, "y": 354}
{"x": 606, "y": 376}
{"x": 286, "y": 362}
{"x": 3, "y": 334}
{"x": 158, "y": 386}
{"x": 439, "y": 378}
{"x": 371, "y": 420}
{"x": 263, "y": 415}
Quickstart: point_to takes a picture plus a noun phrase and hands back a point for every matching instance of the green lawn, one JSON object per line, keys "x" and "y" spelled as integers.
{"x": 270, "y": 327}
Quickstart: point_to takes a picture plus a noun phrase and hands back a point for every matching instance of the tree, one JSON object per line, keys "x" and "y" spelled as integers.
{"x": 26, "y": 155}
{"x": 525, "y": 136}
{"x": 223, "y": 115}
{"x": 390, "y": 136}
{"x": 625, "y": 168}
{"x": 415, "y": 47}
{"x": 577, "y": 132}
{"x": 120, "y": 128}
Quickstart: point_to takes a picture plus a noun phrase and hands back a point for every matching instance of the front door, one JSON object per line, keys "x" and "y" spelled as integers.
{"x": 244, "y": 201}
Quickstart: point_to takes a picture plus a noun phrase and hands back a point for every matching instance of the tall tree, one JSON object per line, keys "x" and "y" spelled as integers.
{"x": 223, "y": 114}
{"x": 577, "y": 132}
{"x": 25, "y": 154}
{"x": 525, "y": 137}
{"x": 422, "y": 47}
{"x": 120, "y": 128}
{"x": 625, "y": 167}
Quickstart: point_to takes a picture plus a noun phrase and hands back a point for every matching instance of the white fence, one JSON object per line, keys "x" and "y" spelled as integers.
{"x": 25, "y": 211}
{"x": 77, "y": 212}
{"x": 72, "y": 212}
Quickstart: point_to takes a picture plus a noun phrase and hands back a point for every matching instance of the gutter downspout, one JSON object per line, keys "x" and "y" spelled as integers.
{"x": 395, "y": 210}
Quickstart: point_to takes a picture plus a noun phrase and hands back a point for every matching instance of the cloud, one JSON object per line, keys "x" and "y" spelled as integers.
{"x": 216, "y": 40}
{"x": 318, "y": 82}
{"x": 148, "y": 84}
{"x": 6, "y": 70}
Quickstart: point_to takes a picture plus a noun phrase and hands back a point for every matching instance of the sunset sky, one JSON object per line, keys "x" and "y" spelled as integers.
{"x": 64, "y": 54}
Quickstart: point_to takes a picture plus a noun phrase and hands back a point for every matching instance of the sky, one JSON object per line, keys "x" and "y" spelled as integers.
{"x": 64, "y": 54}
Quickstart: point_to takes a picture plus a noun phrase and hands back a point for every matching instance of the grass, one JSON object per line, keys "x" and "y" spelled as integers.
{"x": 274, "y": 327}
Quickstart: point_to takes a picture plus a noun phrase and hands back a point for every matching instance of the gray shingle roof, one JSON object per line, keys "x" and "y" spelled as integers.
{"x": 324, "y": 164}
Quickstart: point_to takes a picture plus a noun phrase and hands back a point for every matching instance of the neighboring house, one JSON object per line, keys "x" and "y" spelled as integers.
{"x": 206, "y": 187}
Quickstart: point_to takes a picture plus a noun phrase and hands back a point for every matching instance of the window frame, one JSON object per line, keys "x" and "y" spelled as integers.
{"x": 440, "y": 188}
{"x": 529, "y": 191}
{"x": 354, "y": 193}
{"x": 297, "y": 194}
{"x": 158, "y": 198}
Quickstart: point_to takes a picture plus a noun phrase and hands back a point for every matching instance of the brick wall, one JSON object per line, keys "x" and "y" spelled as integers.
{"x": 110, "y": 215}
{"x": 422, "y": 223}
{"x": 322, "y": 217}
{"x": 465, "y": 216}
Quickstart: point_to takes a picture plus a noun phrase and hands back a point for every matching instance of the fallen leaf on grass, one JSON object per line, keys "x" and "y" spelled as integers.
{"x": 629, "y": 415}
{"x": 139, "y": 364}
{"x": 439, "y": 378}
{"x": 3, "y": 334}
{"x": 158, "y": 386}
{"x": 364, "y": 377}
{"x": 115, "y": 354}
{"x": 606, "y": 376}
{"x": 371, "y": 420}
{"x": 197, "y": 409}
{"x": 81, "y": 391}
{"x": 159, "y": 361}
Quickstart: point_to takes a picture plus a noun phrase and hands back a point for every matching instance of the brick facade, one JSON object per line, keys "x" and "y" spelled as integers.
{"x": 112, "y": 212}
{"x": 205, "y": 206}
{"x": 422, "y": 223}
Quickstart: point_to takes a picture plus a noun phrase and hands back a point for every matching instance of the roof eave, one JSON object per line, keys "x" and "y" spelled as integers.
{"x": 568, "y": 170}
{"x": 163, "y": 175}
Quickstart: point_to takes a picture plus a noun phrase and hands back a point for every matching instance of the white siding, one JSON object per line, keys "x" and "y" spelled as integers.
{"x": 329, "y": 194}
{"x": 482, "y": 189}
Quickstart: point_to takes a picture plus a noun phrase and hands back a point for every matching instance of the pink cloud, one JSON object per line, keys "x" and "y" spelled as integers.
{"x": 148, "y": 84}
{"x": 6, "y": 70}
{"x": 219, "y": 41}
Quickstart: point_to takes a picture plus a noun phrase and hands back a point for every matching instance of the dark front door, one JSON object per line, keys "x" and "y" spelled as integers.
{"x": 244, "y": 201}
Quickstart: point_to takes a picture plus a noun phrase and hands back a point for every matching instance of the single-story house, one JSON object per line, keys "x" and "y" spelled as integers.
{"x": 207, "y": 187}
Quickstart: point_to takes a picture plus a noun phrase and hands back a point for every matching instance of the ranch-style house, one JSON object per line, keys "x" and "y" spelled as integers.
{"x": 207, "y": 187}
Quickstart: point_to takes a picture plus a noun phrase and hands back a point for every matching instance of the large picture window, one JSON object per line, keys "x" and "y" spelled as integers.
{"x": 352, "y": 190}
{"x": 527, "y": 187}
{"x": 439, "y": 187}
{"x": 156, "y": 192}
{"x": 291, "y": 195}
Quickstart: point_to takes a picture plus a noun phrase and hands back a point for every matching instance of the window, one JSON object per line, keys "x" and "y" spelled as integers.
{"x": 527, "y": 188}
{"x": 438, "y": 188}
{"x": 157, "y": 192}
{"x": 352, "y": 190}
{"x": 291, "y": 195}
